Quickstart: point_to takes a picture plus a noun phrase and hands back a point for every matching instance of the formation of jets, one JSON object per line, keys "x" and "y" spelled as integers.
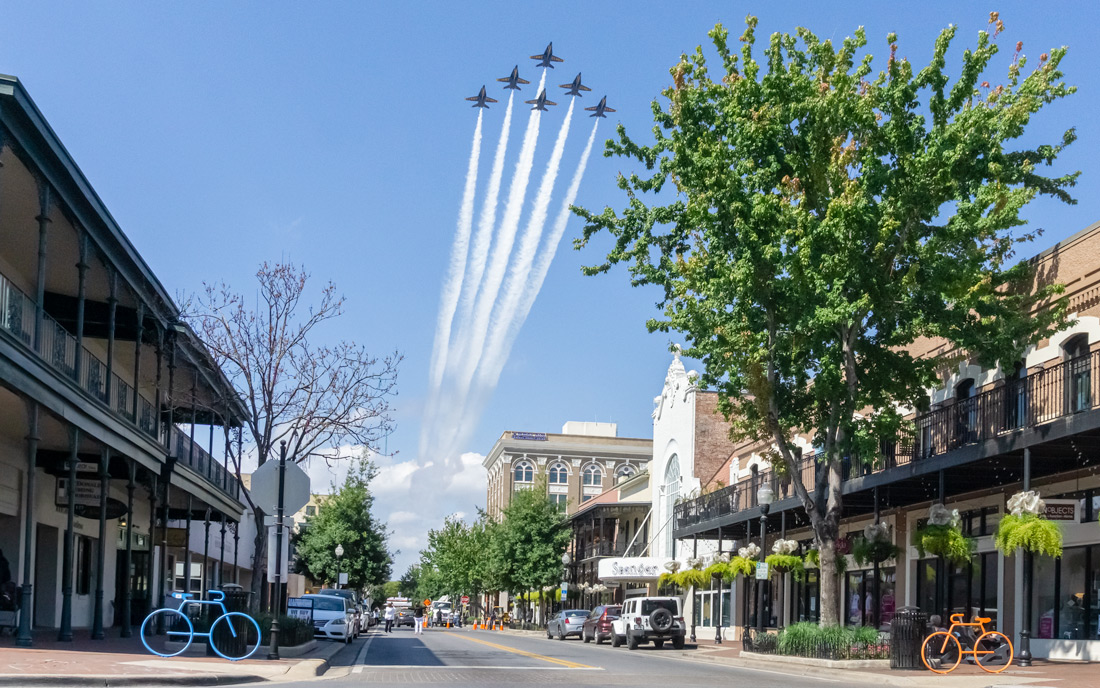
{"x": 545, "y": 59}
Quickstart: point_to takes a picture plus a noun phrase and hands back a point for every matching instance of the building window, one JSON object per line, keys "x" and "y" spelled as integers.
{"x": 593, "y": 475}
{"x": 559, "y": 474}
{"x": 311, "y": 510}
{"x": 1065, "y": 594}
{"x": 625, "y": 471}
{"x": 672, "y": 492}
{"x": 971, "y": 589}
{"x": 1016, "y": 398}
{"x": 966, "y": 413}
{"x": 585, "y": 498}
{"x": 1079, "y": 373}
{"x": 83, "y": 565}
{"x": 560, "y": 501}
{"x": 860, "y": 608}
{"x": 524, "y": 472}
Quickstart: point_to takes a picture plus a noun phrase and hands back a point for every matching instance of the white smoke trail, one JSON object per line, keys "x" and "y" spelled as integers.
{"x": 520, "y": 271}
{"x": 452, "y": 286}
{"x": 469, "y": 351}
{"x": 479, "y": 397}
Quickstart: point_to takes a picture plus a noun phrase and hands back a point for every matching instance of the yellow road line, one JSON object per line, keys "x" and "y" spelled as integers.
{"x": 553, "y": 660}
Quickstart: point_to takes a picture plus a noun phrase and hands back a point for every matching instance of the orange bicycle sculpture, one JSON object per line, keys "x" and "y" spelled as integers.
{"x": 943, "y": 650}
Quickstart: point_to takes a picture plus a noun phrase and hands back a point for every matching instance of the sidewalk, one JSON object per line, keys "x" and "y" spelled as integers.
{"x": 1043, "y": 674}
{"x": 115, "y": 661}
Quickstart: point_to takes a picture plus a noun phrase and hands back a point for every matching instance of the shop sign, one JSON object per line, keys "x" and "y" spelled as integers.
{"x": 534, "y": 436}
{"x": 630, "y": 568}
{"x": 300, "y": 608}
{"x": 87, "y": 492}
{"x": 177, "y": 537}
{"x": 1061, "y": 510}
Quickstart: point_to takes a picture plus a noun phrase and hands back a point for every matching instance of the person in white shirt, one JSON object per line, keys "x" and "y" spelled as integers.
{"x": 390, "y": 615}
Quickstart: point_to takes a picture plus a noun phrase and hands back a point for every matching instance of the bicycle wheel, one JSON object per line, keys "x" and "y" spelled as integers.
{"x": 941, "y": 652}
{"x": 235, "y": 636}
{"x": 993, "y": 652}
{"x": 176, "y": 638}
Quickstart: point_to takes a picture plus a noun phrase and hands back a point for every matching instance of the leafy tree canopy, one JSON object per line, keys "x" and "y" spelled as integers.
{"x": 812, "y": 220}
{"x": 528, "y": 542}
{"x": 345, "y": 518}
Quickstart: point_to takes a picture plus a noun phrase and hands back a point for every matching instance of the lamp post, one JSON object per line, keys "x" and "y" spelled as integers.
{"x": 339, "y": 553}
{"x": 764, "y": 498}
{"x": 566, "y": 560}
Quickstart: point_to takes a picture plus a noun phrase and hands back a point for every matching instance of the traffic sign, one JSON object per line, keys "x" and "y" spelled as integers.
{"x": 265, "y": 487}
{"x": 427, "y": 602}
{"x": 465, "y": 599}
{"x": 284, "y": 565}
{"x": 564, "y": 589}
{"x": 761, "y": 570}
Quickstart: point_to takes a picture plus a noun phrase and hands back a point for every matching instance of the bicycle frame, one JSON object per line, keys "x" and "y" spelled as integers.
{"x": 188, "y": 635}
{"x": 187, "y": 598}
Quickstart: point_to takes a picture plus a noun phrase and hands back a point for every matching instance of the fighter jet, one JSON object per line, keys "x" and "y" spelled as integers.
{"x": 575, "y": 88}
{"x": 480, "y": 99}
{"x": 513, "y": 79}
{"x": 541, "y": 102}
{"x": 600, "y": 108}
{"x": 547, "y": 57}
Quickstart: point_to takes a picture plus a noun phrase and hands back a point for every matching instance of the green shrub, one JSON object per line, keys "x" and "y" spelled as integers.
{"x": 292, "y": 631}
{"x": 945, "y": 541}
{"x": 1029, "y": 532}
{"x": 799, "y": 639}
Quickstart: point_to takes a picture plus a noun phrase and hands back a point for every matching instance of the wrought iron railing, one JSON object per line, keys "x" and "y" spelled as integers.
{"x": 1057, "y": 391}
{"x": 59, "y": 350}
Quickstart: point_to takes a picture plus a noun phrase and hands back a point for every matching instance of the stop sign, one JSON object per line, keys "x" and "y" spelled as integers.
{"x": 265, "y": 487}
{"x": 465, "y": 599}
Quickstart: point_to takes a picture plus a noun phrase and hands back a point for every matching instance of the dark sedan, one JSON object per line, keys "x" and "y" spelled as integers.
{"x": 598, "y": 624}
{"x": 566, "y": 623}
{"x": 404, "y": 618}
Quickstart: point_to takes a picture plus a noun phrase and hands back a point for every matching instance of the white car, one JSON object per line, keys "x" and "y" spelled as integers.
{"x": 649, "y": 618}
{"x": 333, "y": 617}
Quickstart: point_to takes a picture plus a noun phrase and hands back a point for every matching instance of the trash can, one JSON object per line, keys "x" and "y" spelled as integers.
{"x": 232, "y": 642}
{"x": 908, "y": 630}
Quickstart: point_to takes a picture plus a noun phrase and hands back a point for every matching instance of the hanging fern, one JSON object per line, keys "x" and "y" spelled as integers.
{"x": 692, "y": 578}
{"x": 740, "y": 566}
{"x": 945, "y": 541}
{"x": 666, "y": 579}
{"x": 812, "y": 560}
{"x": 866, "y": 551}
{"x": 1030, "y": 532}
{"x": 783, "y": 562}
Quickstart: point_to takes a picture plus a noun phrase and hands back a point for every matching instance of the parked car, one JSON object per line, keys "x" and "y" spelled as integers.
{"x": 353, "y": 601}
{"x": 404, "y": 617}
{"x": 566, "y": 623}
{"x": 333, "y": 617}
{"x": 598, "y": 624}
{"x": 649, "y": 618}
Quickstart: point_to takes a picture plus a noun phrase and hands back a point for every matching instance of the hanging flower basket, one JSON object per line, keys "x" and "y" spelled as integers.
{"x": 942, "y": 536}
{"x": 812, "y": 560}
{"x": 693, "y": 578}
{"x": 1024, "y": 527}
{"x": 876, "y": 545}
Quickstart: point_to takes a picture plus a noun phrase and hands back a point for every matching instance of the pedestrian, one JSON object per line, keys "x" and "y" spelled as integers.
{"x": 418, "y": 622}
{"x": 390, "y": 615}
{"x": 439, "y": 617}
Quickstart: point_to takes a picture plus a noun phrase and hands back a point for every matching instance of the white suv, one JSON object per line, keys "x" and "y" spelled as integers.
{"x": 649, "y": 618}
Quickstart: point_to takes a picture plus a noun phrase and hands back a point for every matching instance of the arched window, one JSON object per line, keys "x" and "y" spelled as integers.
{"x": 1078, "y": 373}
{"x": 672, "y": 493}
{"x": 593, "y": 475}
{"x": 559, "y": 473}
{"x": 524, "y": 472}
{"x": 625, "y": 471}
{"x": 966, "y": 413}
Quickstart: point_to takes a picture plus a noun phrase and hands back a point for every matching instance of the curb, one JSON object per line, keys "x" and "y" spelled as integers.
{"x": 112, "y": 681}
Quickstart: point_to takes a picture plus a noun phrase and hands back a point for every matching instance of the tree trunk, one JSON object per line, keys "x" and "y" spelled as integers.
{"x": 259, "y": 565}
{"x": 830, "y": 591}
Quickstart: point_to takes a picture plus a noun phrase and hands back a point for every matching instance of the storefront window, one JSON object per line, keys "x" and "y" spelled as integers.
{"x": 971, "y": 589}
{"x": 859, "y": 596}
{"x": 806, "y": 593}
{"x": 1065, "y": 594}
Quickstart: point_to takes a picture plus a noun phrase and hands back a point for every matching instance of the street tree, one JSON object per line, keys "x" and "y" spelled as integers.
{"x": 812, "y": 220}
{"x": 315, "y": 397}
{"x": 528, "y": 542}
{"x": 459, "y": 553}
{"x": 345, "y": 518}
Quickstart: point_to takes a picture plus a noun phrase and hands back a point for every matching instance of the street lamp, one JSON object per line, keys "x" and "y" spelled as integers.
{"x": 339, "y": 553}
{"x": 566, "y": 560}
{"x": 764, "y": 497}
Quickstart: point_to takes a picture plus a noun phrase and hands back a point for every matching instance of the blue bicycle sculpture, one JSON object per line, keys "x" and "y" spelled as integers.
{"x": 179, "y": 632}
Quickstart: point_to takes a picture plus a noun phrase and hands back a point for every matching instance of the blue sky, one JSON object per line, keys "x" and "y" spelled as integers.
{"x": 335, "y": 135}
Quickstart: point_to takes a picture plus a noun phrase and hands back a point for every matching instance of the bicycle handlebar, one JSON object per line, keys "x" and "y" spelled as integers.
{"x": 216, "y": 595}
{"x": 956, "y": 618}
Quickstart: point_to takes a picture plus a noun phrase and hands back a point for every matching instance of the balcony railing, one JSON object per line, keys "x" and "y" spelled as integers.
{"x": 193, "y": 455}
{"x": 59, "y": 350}
{"x": 1043, "y": 396}
{"x": 600, "y": 549}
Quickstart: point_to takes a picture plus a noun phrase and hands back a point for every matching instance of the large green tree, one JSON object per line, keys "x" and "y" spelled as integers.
{"x": 812, "y": 219}
{"x": 345, "y": 518}
{"x": 527, "y": 543}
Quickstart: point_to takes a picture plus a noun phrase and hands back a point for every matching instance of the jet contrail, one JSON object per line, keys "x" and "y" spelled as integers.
{"x": 495, "y": 365}
{"x": 469, "y": 350}
{"x": 520, "y": 272}
{"x": 479, "y": 249}
{"x": 452, "y": 286}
